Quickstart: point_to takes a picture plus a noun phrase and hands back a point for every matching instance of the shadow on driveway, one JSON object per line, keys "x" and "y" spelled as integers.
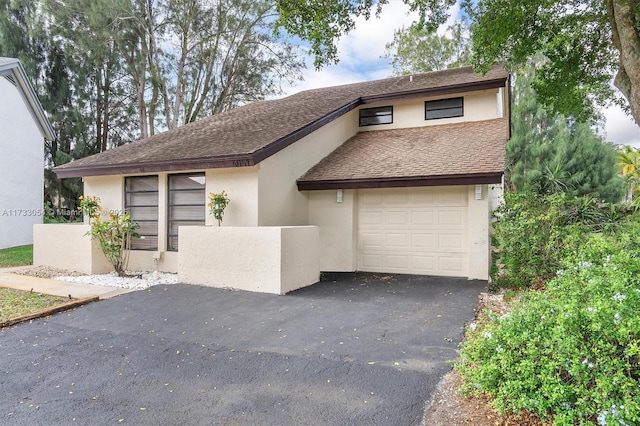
{"x": 359, "y": 348}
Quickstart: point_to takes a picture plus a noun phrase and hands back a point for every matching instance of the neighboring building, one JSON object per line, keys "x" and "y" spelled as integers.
{"x": 399, "y": 175}
{"x": 23, "y": 129}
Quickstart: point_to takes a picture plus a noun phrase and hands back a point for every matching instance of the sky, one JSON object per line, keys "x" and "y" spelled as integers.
{"x": 361, "y": 59}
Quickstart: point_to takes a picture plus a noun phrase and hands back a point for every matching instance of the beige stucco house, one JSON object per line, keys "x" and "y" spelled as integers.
{"x": 397, "y": 175}
{"x": 23, "y": 129}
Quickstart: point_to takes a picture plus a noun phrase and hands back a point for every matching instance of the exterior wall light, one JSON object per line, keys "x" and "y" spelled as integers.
{"x": 478, "y": 192}
{"x": 339, "y": 195}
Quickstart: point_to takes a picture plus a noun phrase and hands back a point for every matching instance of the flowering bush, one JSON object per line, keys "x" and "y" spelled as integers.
{"x": 572, "y": 353}
{"x": 113, "y": 234}
{"x": 534, "y": 233}
{"x": 217, "y": 204}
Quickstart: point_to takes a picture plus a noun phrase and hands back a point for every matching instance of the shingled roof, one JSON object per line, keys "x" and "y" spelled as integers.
{"x": 247, "y": 135}
{"x": 448, "y": 154}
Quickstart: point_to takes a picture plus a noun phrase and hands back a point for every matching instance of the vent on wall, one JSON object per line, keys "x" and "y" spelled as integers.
{"x": 11, "y": 79}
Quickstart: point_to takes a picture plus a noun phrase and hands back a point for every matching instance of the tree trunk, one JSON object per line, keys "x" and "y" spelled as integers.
{"x": 626, "y": 38}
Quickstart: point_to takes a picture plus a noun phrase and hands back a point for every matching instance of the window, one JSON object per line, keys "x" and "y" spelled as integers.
{"x": 141, "y": 202}
{"x": 443, "y": 108}
{"x": 375, "y": 116}
{"x": 186, "y": 204}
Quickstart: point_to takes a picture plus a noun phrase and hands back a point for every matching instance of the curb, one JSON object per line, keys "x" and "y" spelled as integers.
{"x": 49, "y": 311}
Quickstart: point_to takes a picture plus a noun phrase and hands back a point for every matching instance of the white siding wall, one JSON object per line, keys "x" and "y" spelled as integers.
{"x": 21, "y": 169}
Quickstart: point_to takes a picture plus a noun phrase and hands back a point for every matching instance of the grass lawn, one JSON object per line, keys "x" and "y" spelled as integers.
{"x": 14, "y": 303}
{"x": 16, "y": 256}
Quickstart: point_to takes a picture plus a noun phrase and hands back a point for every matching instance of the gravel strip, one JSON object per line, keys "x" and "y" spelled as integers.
{"x": 137, "y": 280}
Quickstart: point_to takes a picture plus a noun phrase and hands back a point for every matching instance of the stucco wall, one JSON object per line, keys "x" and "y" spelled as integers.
{"x": 478, "y": 237}
{"x": 65, "y": 246}
{"x": 261, "y": 259}
{"x": 280, "y": 202}
{"x": 241, "y": 184}
{"x": 481, "y": 105}
{"x": 338, "y": 228}
{"x": 110, "y": 190}
{"x": 21, "y": 169}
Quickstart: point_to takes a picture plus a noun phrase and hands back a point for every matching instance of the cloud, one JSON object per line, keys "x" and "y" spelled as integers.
{"x": 620, "y": 128}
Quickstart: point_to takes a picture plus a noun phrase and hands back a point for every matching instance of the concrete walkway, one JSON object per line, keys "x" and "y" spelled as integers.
{"x": 54, "y": 287}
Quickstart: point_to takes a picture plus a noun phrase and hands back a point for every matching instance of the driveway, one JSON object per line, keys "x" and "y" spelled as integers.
{"x": 361, "y": 349}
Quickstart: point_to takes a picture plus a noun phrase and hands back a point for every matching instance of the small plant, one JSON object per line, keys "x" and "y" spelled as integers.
{"x": 217, "y": 204}
{"x": 113, "y": 234}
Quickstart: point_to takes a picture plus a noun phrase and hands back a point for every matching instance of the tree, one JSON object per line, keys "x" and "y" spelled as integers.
{"x": 551, "y": 153}
{"x": 629, "y": 165}
{"x": 111, "y": 71}
{"x": 584, "y": 42}
{"x": 416, "y": 49}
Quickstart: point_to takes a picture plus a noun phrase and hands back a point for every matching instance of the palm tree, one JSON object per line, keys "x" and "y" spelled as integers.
{"x": 629, "y": 164}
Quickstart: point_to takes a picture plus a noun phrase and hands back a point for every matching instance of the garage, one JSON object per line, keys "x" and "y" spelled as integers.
{"x": 418, "y": 230}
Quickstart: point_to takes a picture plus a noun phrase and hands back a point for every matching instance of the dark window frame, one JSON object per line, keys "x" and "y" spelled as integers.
{"x": 373, "y": 113}
{"x": 128, "y": 207}
{"x": 442, "y": 110}
{"x": 169, "y": 205}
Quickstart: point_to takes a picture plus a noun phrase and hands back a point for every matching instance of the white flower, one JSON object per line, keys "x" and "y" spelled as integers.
{"x": 499, "y": 349}
{"x": 602, "y": 418}
{"x": 587, "y": 363}
{"x": 617, "y": 318}
{"x": 590, "y": 309}
{"x": 559, "y": 272}
{"x": 473, "y": 326}
{"x": 488, "y": 335}
{"x": 619, "y": 297}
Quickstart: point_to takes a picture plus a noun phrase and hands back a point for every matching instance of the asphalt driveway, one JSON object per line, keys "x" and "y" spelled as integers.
{"x": 361, "y": 349}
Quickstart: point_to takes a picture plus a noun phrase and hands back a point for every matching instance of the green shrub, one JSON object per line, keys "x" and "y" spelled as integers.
{"x": 534, "y": 232}
{"x": 572, "y": 353}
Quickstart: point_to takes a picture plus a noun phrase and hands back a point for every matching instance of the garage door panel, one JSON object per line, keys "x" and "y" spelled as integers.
{"x": 372, "y": 262}
{"x": 370, "y": 198}
{"x": 396, "y": 262}
{"x": 452, "y": 242}
{"x": 371, "y": 240}
{"x": 453, "y": 197}
{"x": 423, "y": 217}
{"x": 424, "y": 241}
{"x": 426, "y": 264}
{"x": 413, "y": 230}
{"x": 398, "y": 240}
{"x": 453, "y": 264}
{"x": 395, "y": 198}
{"x": 451, "y": 217}
{"x": 372, "y": 218}
{"x": 396, "y": 218}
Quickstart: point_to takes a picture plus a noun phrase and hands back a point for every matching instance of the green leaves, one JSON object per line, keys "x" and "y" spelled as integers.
{"x": 323, "y": 23}
{"x": 416, "y": 49}
{"x": 570, "y": 354}
{"x": 572, "y": 36}
{"x": 113, "y": 234}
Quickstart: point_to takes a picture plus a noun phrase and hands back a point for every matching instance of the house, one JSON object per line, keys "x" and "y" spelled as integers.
{"x": 23, "y": 129}
{"x": 395, "y": 175}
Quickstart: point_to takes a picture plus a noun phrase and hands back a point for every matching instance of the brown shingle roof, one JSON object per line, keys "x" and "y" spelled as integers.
{"x": 461, "y": 153}
{"x": 246, "y": 135}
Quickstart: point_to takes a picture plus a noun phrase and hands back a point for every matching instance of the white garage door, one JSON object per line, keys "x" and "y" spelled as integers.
{"x": 414, "y": 230}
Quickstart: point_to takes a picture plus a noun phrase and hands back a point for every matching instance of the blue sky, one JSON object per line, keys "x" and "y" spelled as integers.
{"x": 360, "y": 55}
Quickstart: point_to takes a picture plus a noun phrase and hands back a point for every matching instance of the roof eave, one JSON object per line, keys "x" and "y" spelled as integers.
{"x": 68, "y": 171}
{"x": 402, "y": 182}
{"x": 30, "y": 97}
{"x": 438, "y": 91}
